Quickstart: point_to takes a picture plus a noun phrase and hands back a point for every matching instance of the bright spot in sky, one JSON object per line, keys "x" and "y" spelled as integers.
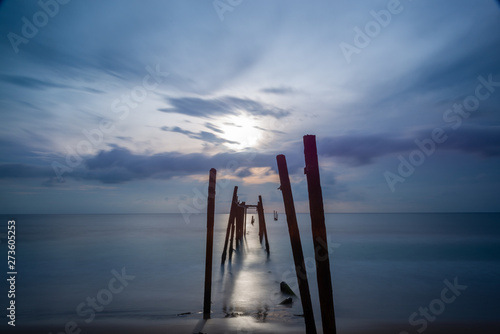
{"x": 241, "y": 129}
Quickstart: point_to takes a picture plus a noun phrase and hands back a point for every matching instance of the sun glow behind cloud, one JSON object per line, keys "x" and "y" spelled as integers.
{"x": 241, "y": 129}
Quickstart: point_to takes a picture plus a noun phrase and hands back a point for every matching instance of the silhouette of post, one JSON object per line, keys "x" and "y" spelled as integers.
{"x": 260, "y": 215}
{"x": 243, "y": 208}
{"x": 239, "y": 225}
{"x": 262, "y": 219}
{"x": 298, "y": 256}
{"x": 245, "y": 222}
{"x": 210, "y": 243}
{"x": 319, "y": 235}
{"x": 232, "y": 238}
{"x": 229, "y": 223}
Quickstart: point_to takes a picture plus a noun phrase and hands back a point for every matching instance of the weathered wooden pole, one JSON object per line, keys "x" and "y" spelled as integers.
{"x": 229, "y": 223}
{"x": 232, "y": 238}
{"x": 319, "y": 235}
{"x": 245, "y": 222}
{"x": 210, "y": 244}
{"x": 239, "y": 226}
{"x": 261, "y": 219}
{"x": 264, "y": 228}
{"x": 298, "y": 255}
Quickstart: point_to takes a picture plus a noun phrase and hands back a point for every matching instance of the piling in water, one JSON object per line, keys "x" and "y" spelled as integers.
{"x": 210, "y": 242}
{"x": 319, "y": 235}
{"x": 262, "y": 224}
{"x": 298, "y": 256}
{"x": 229, "y": 223}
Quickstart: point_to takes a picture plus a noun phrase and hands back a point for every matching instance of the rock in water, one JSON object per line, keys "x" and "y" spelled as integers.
{"x": 289, "y": 300}
{"x": 286, "y": 289}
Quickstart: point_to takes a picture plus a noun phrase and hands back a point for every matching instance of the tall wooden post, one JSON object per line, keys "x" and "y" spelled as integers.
{"x": 298, "y": 256}
{"x": 319, "y": 235}
{"x": 239, "y": 226}
{"x": 245, "y": 222}
{"x": 210, "y": 243}
{"x": 232, "y": 238}
{"x": 263, "y": 220}
{"x": 229, "y": 223}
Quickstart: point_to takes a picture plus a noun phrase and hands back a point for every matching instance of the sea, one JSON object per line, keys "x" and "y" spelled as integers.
{"x": 413, "y": 269}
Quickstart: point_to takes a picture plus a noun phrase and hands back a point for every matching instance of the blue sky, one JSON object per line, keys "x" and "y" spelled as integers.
{"x": 124, "y": 106}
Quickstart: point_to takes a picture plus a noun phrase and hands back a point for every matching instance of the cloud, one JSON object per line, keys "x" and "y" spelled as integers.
{"x": 268, "y": 130}
{"x": 17, "y": 170}
{"x": 120, "y": 165}
{"x": 32, "y": 83}
{"x": 213, "y": 127}
{"x": 483, "y": 141}
{"x": 228, "y": 105}
{"x": 364, "y": 149}
{"x": 282, "y": 90}
{"x": 203, "y": 135}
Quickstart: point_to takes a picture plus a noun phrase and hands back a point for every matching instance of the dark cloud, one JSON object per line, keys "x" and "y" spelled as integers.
{"x": 361, "y": 149}
{"x": 16, "y": 170}
{"x": 213, "y": 127}
{"x": 32, "y": 83}
{"x": 268, "y": 130}
{"x": 232, "y": 124}
{"x": 228, "y": 105}
{"x": 203, "y": 135}
{"x": 483, "y": 141}
{"x": 120, "y": 165}
{"x": 364, "y": 149}
{"x": 278, "y": 90}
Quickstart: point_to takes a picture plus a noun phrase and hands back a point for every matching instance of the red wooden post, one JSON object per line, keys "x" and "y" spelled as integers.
{"x": 319, "y": 235}
{"x": 229, "y": 223}
{"x": 298, "y": 256}
{"x": 239, "y": 226}
{"x": 264, "y": 228}
{"x": 210, "y": 243}
{"x": 232, "y": 238}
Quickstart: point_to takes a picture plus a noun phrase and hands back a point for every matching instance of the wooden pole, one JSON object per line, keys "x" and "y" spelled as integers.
{"x": 231, "y": 219}
{"x": 264, "y": 228}
{"x": 232, "y": 238}
{"x": 210, "y": 243}
{"x": 260, "y": 216}
{"x": 245, "y": 223}
{"x": 242, "y": 222}
{"x": 298, "y": 256}
{"x": 319, "y": 235}
{"x": 239, "y": 226}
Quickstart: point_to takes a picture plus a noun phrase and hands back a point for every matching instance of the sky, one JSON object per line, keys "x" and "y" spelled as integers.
{"x": 124, "y": 106}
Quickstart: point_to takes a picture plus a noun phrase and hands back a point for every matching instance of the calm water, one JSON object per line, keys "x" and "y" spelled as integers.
{"x": 384, "y": 267}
